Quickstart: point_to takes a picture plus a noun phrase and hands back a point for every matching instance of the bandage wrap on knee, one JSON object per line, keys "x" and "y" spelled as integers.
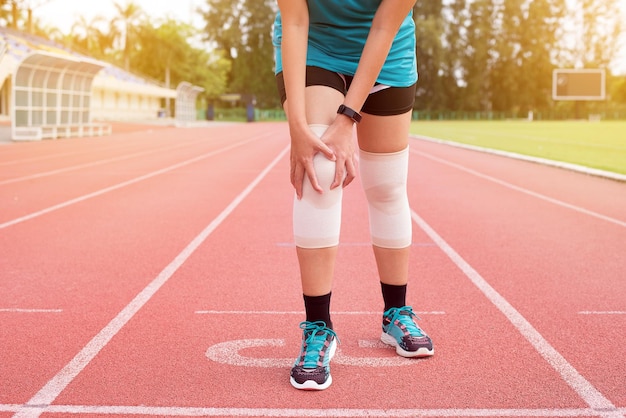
{"x": 317, "y": 216}
{"x": 384, "y": 178}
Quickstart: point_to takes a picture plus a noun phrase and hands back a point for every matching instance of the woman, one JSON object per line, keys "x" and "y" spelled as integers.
{"x": 341, "y": 64}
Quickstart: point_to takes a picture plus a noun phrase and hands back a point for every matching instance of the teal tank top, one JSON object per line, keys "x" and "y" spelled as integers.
{"x": 337, "y": 34}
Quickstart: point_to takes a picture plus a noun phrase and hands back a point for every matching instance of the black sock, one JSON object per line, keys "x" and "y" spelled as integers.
{"x": 394, "y": 296}
{"x": 318, "y": 309}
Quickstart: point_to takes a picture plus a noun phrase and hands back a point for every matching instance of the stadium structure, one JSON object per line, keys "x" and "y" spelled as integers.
{"x": 50, "y": 91}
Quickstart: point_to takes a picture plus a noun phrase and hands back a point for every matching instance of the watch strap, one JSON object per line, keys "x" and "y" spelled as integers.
{"x": 351, "y": 113}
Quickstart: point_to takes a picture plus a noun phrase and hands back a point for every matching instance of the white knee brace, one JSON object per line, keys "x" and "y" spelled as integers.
{"x": 384, "y": 178}
{"x": 317, "y": 216}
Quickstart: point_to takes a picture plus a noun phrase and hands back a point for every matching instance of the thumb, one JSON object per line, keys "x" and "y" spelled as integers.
{"x": 329, "y": 153}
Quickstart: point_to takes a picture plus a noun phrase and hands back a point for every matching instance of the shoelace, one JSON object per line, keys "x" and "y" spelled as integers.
{"x": 316, "y": 334}
{"x": 405, "y": 316}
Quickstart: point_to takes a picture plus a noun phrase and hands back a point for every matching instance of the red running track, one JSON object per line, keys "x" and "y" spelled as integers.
{"x": 152, "y": 273}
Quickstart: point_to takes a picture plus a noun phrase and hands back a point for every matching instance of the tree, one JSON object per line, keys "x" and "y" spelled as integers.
{"x": 598, "y": 25}
{"x": 242, "y": 30}
{"x": 542, "y": 30}
{"x": 5, "y": 12}
{"x": 507, "y": 50}
{"x": 128, "y": 18}
{"x": 164, "y": 53}
{"x": 10, "y": 13}
{"x": 478, "y": 60}
{"x": 618, "y": 91}
{"x": 472, "y": 54}
{"x": 429, "y": 49}
{"x": 87, "y": 36}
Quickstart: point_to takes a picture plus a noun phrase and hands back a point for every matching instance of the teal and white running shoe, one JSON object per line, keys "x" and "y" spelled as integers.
{"x": 311, "y": 371}
{"x": 401, "y": 331}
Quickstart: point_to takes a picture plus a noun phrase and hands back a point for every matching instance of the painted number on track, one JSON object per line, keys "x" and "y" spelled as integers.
{"x": 229, "y": 353}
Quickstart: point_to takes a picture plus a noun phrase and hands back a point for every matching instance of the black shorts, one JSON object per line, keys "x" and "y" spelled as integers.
{"x": 385, "y": 102}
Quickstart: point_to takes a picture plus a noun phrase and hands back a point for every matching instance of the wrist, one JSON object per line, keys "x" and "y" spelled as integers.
{"x": 298, "y": 126}
{"x": 349, "y": 113}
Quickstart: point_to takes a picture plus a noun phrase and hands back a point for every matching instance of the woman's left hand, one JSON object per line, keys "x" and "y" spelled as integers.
{"x": 339, "y": 137}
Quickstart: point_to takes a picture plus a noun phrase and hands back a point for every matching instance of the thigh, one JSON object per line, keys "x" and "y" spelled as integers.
{"x": 386, "y": 120}
{"x": 321, "y": 104}
{"x": 324, "y": 92}
{"x": 384, "y": 134}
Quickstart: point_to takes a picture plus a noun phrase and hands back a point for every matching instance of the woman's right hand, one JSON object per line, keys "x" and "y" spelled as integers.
{"x": 304, "y": 145}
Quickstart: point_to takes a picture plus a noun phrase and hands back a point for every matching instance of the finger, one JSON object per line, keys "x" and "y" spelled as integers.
{"x": 328, "y": 153}
{"x": 350, "y": 172}
{"x": 340, "y": 173}
{"x": 292, "y": 173}
{"x": 310, "y": 172}
{"x": 297, "y": 180}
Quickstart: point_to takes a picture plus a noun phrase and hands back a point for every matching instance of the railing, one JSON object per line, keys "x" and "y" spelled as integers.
{"x": 36, "y": 133}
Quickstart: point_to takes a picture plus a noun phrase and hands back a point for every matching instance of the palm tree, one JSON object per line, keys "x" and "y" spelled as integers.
{"x": 88, "y": 37}
{"x": 128, "y": 18}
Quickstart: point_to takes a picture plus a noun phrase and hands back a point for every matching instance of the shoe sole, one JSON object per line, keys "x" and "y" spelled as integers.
{"x": 312, "y": 384}
{"x": 421, "y": 352}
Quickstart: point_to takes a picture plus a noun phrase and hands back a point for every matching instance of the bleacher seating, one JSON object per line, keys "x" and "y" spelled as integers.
{"x": 46, "y": 103}
{"x": 186, "y": 95}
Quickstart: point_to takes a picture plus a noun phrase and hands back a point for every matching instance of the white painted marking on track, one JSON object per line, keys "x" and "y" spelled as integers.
{"x": 125, "y": 183}
{"x": 392, "y": 361}
{"x": 24, "y": 310}
{"x": 51, "y": 390}
{"x": 355, "y": 244}
{"x": 51, "y": 156}
{"x": 228, "y": 352}
{"x": 568, "y": 373}
{"x": 602, "y": 313}
{"x": 302, "y": 312}
{"x": 92, "y": 164}
{"x": 523, "y": 190}
{"x": 372, "y": 344}
{"x": 162, "y": 411}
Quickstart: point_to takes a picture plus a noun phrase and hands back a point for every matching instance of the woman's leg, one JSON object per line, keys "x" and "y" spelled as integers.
{"x": 383, "y": 141}
{"x": 317, "y": 262}
{"x": 387, "y": 135}
{"x": 316, "y": 223}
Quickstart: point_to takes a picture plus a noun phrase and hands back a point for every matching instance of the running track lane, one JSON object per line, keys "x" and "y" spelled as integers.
{"x": 241, "y": 283}
{"x": 109, "y": 241}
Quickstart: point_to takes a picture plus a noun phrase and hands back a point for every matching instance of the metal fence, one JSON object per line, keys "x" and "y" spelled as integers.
{"x": 239, "y": 114}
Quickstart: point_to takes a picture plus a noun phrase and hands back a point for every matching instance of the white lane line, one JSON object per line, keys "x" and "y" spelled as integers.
{"x": 118, "y": 144}
{"x": 163, "y": 411}
{"x": 602, "y": 313}
{"x": 23, "y": 310}
{"x": 46, "y": 395}
{"x": 356, "y": 244}
{"x": 94, "y": 163}
{"x": 209, "y": 312}
{"x": 43, "y": 157}
{"x": 568, "y": 373}
{"x": 522, "y": 190}
{"x": 127, "y": 183}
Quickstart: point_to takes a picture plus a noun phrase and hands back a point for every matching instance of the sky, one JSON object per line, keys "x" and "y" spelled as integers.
{"x": 63, "y": 13}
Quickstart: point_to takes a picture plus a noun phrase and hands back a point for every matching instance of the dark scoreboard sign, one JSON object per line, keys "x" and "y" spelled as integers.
{"x": 583, "y": 84}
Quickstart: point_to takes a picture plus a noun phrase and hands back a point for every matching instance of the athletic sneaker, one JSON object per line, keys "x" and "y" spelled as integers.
{"x": 401, "y": 331}
{"x": 311, "y": 370}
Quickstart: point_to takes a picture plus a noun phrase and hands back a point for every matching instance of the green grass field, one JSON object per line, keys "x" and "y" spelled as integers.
{"x": 600, "y": 145}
